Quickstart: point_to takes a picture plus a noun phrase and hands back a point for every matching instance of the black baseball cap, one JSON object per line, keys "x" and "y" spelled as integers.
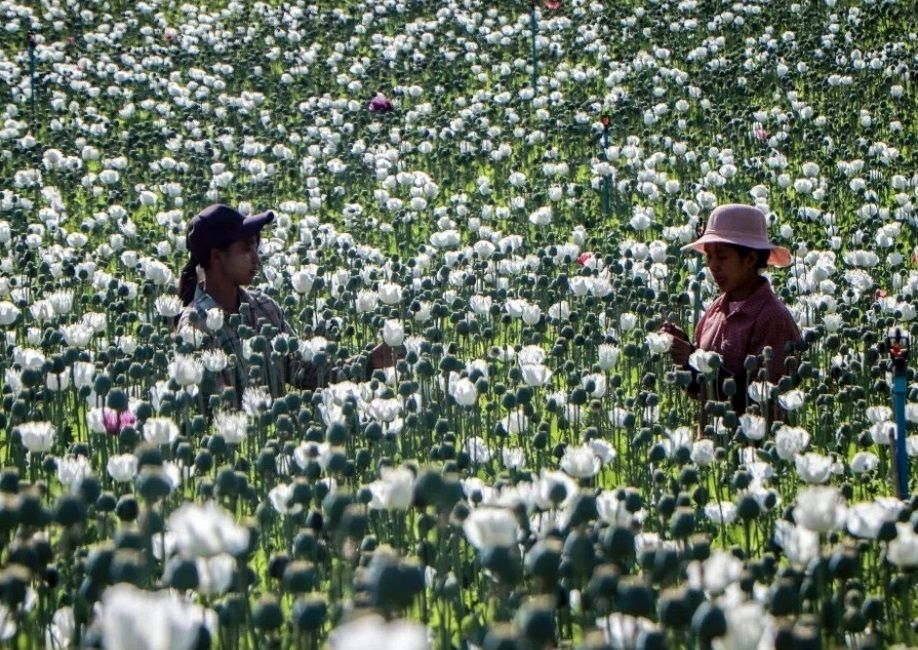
{"x": 218, "y": 225}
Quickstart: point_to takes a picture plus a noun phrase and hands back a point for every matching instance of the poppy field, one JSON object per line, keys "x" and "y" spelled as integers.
{"x": 502, "y": 189}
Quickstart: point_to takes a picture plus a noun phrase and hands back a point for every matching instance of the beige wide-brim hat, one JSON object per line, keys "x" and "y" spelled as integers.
{"x": 743, "y": 225}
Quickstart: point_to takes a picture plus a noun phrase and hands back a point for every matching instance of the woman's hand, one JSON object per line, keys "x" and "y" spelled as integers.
{"x": 681, "y": 348}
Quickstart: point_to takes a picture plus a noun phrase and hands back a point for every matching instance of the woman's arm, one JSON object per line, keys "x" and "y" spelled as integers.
{"x": 774, "y": 329}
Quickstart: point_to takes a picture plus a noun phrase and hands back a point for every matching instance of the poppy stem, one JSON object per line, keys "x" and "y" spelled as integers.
{"x": 534, "y": 23}
{"x": 606, "y": 190}
{"x": 31, "y": 43}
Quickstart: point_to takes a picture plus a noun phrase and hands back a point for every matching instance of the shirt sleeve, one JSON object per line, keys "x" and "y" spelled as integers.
{"x": 276, "y": 315}
{"x": 699, "y": 328}
{"x": 299, "y": 372}
{"x": 775, "y": 328}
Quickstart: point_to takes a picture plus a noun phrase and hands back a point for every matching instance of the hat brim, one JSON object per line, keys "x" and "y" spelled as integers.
{"x": 780, "y": 256}
{"x": 253, "y": 224}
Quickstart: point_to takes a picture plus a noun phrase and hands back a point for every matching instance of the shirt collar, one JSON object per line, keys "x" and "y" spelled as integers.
{"x": 749, "y": 304}
{"x": 206, "y": 301}
{"x": 203, "y": 299}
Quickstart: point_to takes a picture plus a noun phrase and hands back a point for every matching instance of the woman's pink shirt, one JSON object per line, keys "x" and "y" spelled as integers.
{"x": 737, "y": 329}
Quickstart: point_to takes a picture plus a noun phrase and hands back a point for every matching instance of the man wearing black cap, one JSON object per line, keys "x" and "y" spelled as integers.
{"x": 224, "y": 244}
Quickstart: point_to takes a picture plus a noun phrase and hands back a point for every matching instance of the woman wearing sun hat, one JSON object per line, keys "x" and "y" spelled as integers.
{"x": 747, "y": 316}
{"x": 223, "y": 244}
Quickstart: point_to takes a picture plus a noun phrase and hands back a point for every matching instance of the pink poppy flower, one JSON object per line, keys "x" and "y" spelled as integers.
{"x": 114, "y": 421}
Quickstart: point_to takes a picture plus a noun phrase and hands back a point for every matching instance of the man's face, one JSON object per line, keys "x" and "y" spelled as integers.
{"x": 238, "y": 262}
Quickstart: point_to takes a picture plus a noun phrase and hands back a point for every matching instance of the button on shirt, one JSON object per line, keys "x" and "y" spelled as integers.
{"x": 740, "y": 328}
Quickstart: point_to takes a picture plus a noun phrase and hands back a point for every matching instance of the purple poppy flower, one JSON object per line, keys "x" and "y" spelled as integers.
{"x": 380, "y": 104}
{"x": 114, "y": 421}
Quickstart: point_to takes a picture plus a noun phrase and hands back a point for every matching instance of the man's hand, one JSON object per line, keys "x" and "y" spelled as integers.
{"x": 681, "y": 348}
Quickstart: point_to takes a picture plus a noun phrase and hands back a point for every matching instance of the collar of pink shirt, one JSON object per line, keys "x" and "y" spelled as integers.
{"x": 751, "y": 305}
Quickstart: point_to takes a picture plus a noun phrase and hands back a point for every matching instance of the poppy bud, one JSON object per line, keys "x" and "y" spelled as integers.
{"x": 14, "y": 583}
{"x": 267, "y": 614}
{"x": 106, "y": 502}
{"x": 504, "y": 564}
{"x": 748, "y": 508}
{"x": 536, "y": 622}
{"x": 634, "y": 598}
{"x": 102, "y": 385}
{"x": 543, "y": 561}
{"x": 709, "y": 622}
{"x": 127, "y": 566}
{"x": 683, "y": 523}
{"x": 9, "y": 481}
{"x": 651, "y": 640}
{"x": 181, "y": 574}
{"x": 675, "y": 610}
{"x": 117, "y": 399}
{"x": 309, "y": 614}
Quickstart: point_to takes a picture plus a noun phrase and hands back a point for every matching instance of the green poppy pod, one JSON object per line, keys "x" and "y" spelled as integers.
{"x": 535, "y": 621}
{"x": 267, "y": 613}
{"x": 634, "y": 597}
{"x": 309, "y": 614}
{"x": 181, "y": 574}
{"x": 709, "y": 622}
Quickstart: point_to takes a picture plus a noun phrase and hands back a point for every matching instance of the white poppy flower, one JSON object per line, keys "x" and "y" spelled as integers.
{"x": 168, "y": 306}
{"x": 515, "y": 422}
{"x": 393, "y": 332}
{"x": 463, "y": 390}
{"x": 215, "y": 574}
{"x": 580, "y": 462}
{"x": 703, "y": 452}
{"x": 903, "y": 550}
{"x": 813, "y": 468}
{"x": 205, "y": 530}
{"x": 753, "y": 426}
{"x": 373, "y": 631}
{"x": 820, "y": 509}
{"x": 704, "y": 361}
{"x": 478, "y": 451}
{"x": 513, "y": 457}
{"x": 281, "y": 498}
{"x": 186, "y": 370}
{"x": 623, "y": 630}
{"x": 232, "y": 426}
{"x": 720, "y": 513}
{"x": 608, "y": 356}
{"x": 122, "y": 467}
{"x": 865, "y": 519}
{"x": 73, "y": 469}
{"x": 150, "y": 620}
{"x": 37, "y": 437}
{"x": 792, "y": 400}
{"x": 864, "y": 461}
{"x": 659, "y": 342}
{"x": 716, "y": 573}
{"x": 535, "y": 374}
{"x": 160, "y": 431}
{"x": 760, "y": 391}
{"x": 790, "y": 441}
{"x": 488, "y": 527}
{"x": 800, "y": 544}
{"x": 393, "y": 490}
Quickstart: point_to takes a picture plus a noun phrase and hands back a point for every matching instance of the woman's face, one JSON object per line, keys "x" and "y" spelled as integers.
{"x": 238, "y": 262}
{"x": 730, "y": 271}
